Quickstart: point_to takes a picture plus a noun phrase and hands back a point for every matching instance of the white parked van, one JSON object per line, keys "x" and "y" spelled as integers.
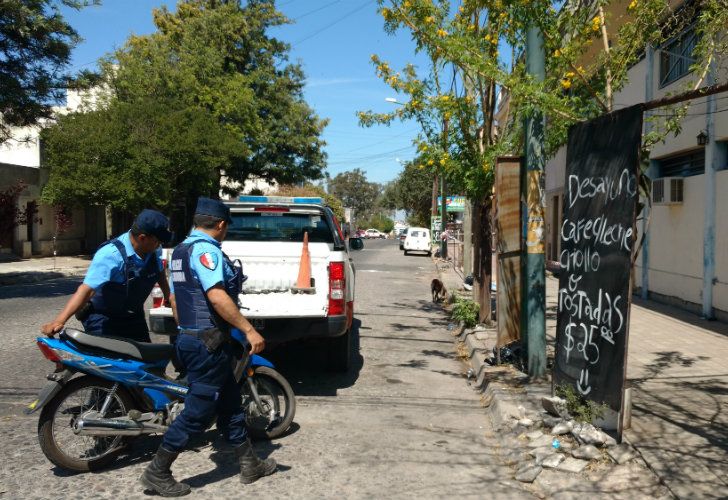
{"x": 418, "y": 240}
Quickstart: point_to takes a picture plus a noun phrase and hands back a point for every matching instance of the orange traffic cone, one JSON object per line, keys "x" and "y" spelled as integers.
{"x": 303, "y": 284}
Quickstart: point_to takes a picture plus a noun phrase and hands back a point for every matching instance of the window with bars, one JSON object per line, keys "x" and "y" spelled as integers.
{"x": 683, "y": 165}
{"x": 676, "y": 56}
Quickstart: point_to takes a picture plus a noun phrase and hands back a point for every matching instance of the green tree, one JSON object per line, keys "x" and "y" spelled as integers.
{"x": 467, "y": 41}
{"x": 134, "y": 155}
{"x": 209, "y": 94}
{"x": 412, "y": 191}
{"x": 35, "y": 49}
{"x": 218, "y": 55}
{"x": 355, "y": 192}
{"x": 315, "y": 191}
{"x": 378, "y": 221}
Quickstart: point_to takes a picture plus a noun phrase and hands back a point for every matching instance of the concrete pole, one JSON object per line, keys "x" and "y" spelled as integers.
{"x": 711, "y": 165}
{"x": 535, "y": 277}
{"x": 468, "y": 238}
{"x": 443, "y": 204}
{"x": 443, "y": 218}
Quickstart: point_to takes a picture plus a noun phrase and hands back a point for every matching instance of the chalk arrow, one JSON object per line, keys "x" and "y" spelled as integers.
{"x": 584, "y": 381}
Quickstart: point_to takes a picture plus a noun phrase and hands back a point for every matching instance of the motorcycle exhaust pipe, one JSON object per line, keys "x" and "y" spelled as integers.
{"x": 115, "y": 427}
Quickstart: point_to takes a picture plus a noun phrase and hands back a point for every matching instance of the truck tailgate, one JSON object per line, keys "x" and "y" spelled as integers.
{"x": 272, "y": 269}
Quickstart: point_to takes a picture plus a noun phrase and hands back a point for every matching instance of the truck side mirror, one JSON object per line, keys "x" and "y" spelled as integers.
{"x": 356, "y": 244}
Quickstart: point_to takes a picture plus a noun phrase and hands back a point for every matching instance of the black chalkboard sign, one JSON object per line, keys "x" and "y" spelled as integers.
{"x": 597, "y": 238}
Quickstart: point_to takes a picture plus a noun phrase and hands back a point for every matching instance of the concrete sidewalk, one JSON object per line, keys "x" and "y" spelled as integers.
{"x": 18, "y": 271}
{"x": 678, "y": 369}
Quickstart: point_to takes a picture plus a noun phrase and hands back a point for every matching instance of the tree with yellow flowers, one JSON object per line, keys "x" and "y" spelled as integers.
{"x": 589, "y": 48}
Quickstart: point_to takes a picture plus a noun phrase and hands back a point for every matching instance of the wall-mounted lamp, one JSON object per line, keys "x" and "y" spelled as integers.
{"x": 702, "y": 138}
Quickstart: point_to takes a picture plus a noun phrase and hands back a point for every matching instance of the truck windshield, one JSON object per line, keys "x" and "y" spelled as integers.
{"x": 277, "y": 226}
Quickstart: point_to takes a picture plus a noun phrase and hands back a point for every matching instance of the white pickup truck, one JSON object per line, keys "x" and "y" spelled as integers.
{"x": 267, "y": 236}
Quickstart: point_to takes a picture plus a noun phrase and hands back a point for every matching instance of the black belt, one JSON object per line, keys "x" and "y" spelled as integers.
{"x": 193, "y": 333}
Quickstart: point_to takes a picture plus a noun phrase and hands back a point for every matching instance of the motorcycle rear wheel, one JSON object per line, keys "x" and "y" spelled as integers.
{"x": 57, "y": 418}
{"x": 275, "y": 393}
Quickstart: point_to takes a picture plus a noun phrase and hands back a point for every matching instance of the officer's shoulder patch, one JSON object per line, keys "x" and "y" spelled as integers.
{"x": 209, "y": 260}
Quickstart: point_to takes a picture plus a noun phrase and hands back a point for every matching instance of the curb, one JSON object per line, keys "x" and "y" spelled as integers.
{"x": 18, "y": 278}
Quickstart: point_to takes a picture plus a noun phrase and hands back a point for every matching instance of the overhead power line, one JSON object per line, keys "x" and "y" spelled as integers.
{"x": 333, "y": 23}
{"x": 317, "y": 10}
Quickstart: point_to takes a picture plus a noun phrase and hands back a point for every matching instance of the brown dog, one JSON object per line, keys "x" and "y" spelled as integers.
{"x": 439, "y": 292}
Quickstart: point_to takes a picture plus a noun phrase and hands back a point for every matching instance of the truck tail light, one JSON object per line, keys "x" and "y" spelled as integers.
{"x": 337, "y": 289}
{"x": 157, "y": 297}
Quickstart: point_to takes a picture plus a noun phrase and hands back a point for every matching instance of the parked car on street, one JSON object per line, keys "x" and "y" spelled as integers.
{"x": 266, "y": 234}
{"x": 402, "y": 237}
{"x": 418, "y": 240}
{"x": 374, "y": 233}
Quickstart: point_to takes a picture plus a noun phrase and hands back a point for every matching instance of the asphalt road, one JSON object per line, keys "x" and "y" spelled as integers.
{"x": 402, "y": 423}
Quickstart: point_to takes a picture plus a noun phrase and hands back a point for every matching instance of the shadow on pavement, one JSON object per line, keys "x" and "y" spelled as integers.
{"x": 53, "y": 285}
{"x": 303, "y": 363}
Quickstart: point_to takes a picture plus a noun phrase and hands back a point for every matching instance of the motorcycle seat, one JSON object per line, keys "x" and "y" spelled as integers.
{"x": 143, "y": 351}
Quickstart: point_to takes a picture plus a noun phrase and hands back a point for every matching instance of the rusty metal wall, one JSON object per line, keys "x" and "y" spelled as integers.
{"x": 508, "y": 228}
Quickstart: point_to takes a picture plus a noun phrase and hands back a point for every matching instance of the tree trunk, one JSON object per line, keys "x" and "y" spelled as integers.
{"x": 482, "y": 257}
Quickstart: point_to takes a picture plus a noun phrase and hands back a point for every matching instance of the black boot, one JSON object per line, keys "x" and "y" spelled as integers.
{"x": 252, "y": 468}
{"x": 158, "y": 477}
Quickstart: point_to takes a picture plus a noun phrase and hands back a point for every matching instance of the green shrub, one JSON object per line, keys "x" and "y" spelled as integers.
{"x": 582, "y": 409}
{"x": 466, "y": 311}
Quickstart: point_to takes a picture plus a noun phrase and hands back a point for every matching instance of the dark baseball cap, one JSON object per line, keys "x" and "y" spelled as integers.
{"x": 213, "y": 208}
{"x": 154, "y": 223}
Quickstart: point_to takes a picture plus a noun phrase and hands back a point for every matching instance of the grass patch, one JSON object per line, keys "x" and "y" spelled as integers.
{"x": 582, "y": 409}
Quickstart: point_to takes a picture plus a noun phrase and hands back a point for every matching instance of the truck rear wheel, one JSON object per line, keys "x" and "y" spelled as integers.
{"x": 339, "y": 353}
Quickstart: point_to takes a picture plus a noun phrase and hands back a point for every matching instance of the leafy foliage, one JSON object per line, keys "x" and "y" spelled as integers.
{"x": 132, "y": 155}
{"x": 412, "y": 191}
{"x": 377, "y": 221}
{"x": 206, "y": 101}
{"x": 10, "y": 215}
{"x": 580, "y": 408}
{"x": 35, "y": 49}
{"x": 313, "y": 190}
{"x": 355, "y": 192}
{"x": 466, "y": 310}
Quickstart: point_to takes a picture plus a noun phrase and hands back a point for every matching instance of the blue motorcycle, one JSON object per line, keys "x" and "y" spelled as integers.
{"x": 86, "y": 421}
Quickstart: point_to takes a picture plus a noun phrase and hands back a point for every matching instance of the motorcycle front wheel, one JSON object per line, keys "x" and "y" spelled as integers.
{"x": 58, "y": 441}
{"x": 277, "y": 398}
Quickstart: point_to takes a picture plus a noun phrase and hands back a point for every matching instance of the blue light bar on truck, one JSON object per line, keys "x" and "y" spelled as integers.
{"x": 303, "y": 200}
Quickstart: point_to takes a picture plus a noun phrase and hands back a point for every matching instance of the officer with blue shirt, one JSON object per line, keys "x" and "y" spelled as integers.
{"x": 110, "y": 301}
{"x": 205, "y": 289}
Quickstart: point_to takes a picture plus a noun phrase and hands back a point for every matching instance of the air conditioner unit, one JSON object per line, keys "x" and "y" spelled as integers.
{"x": 667, "y": 191}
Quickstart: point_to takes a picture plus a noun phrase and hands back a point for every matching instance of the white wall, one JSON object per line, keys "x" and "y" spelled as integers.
{"x": 720, "y": 292}
{"x": 676, "y": 244}
{"x": 22, "y": 148}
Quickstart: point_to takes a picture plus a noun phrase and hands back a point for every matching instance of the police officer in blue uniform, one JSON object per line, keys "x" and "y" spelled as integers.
{"x": 205, "y": 289}
{"x": 110, "y": 301}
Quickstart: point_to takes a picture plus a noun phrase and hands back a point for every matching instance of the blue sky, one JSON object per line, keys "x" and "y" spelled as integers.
{"x": 333, "y": 40}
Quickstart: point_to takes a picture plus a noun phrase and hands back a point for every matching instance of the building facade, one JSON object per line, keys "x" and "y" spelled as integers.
{"x": 20, "y": 161}
{"x": 684, "y": 260}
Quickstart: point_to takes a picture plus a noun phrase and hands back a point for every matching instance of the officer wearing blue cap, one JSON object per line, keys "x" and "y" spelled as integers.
{"x": 205, "y": 287}
{"x": 110, "y": 301}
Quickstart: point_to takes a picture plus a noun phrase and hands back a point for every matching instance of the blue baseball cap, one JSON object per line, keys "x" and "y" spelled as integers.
{"x": 154, "y": 223}
{"x": 213, "y": 208}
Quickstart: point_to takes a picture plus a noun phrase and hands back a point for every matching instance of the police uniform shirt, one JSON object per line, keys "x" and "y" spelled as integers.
{"x": 206, "y": 262}
{"x": 108, "y": 264}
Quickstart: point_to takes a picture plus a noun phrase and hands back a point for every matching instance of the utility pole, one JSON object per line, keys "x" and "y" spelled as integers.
{"x": 443, "y": 203}
{"x": 535, "y": 275}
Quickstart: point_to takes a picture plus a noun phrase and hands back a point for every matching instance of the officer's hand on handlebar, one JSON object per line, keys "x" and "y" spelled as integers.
{"x": 50, "y": 329}
{"x": 257, "y": 344}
